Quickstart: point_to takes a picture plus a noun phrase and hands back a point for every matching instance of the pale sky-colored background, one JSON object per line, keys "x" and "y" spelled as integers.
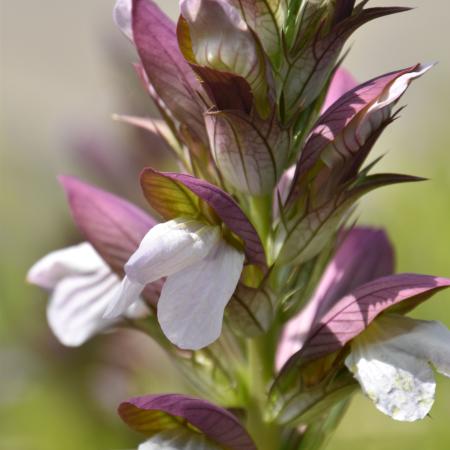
{"x": 57, "y": 76}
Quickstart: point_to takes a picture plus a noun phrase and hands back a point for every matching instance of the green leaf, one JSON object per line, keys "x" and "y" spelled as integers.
{"x": 319, "y": 433}
{"x": 266, "y": 18}
{"x": 308, "y": 234}
{"x": 250, "y": 311}
{"x": 168, "y": 196}
{"x": 308, "y": 405}
{"x": 369, "y": 183}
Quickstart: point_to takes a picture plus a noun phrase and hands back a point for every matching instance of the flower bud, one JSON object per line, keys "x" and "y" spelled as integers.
{"x": 219, "y": 38}
{"x": 250, "y": 153}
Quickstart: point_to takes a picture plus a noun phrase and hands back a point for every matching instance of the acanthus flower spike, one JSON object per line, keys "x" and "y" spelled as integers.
{"x": 253, "y": 279}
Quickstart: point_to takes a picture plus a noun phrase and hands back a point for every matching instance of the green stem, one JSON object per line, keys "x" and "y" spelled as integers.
{"x": 261, "y": 215}
{"x": 260, "y": 370}
{"x": 319, "y": 433}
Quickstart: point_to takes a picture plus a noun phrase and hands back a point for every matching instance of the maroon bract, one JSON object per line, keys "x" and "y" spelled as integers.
{"x": 114, "y": 226}
{"x": 143, "y": 414}
{"x": 222, "y": 203}
{"x": 167, "y": 71}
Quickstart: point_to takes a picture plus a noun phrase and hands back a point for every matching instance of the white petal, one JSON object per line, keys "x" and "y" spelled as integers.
{"x": 122, "y": 17}
{"x": 137, "y": 310}
{"x": 170, "y": 247}
{"x": 126, "y": 298}
{"x": 192, "y": 301}
{"x": 429, "y": 340}
{"x": 76, "y": 260}
{"x": 397, "y": 379}
{"x": 76, "y": 307}
{"x": 178, "y": 439}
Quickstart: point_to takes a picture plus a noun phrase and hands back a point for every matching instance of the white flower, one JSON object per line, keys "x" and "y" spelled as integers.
{"x": 81, "y": 286}
{"x": 392, "y": 361}
{"x": 202, "y": 272}
{"x": 178, "y": 439}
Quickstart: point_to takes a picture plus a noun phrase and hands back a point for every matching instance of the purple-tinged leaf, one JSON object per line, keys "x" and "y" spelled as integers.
{"x": 310, "y": 69}
{"x": 363, "y": 255}
{"x": 250, "y": 154}
{"x": 167, "y": 71}
{"x": 155, "y": 413}
{"x": 218, "y": 37}
{"x": 112, "y": 225}
{"x": 346, "y": 125}
{"x": 176, "y": 194}
{"x": 352, "y": 314}
{"x": 371, "y": 182}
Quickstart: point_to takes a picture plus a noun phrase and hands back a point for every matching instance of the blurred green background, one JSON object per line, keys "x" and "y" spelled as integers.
{"x": 63, "y": 70}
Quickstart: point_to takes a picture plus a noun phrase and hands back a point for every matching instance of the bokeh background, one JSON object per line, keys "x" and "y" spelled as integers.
{"x": 63, "y": 70}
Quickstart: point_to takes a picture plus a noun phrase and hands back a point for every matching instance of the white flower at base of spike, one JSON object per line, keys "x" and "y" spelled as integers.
{"x": 178, "y": 439}
{"x": 393, "y": 359}
{"x": 81, "y": 286}
{"x": 202, "y": 273}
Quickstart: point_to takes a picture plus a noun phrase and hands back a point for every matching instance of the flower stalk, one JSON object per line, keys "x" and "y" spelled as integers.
{"x": 260, "y": 374}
